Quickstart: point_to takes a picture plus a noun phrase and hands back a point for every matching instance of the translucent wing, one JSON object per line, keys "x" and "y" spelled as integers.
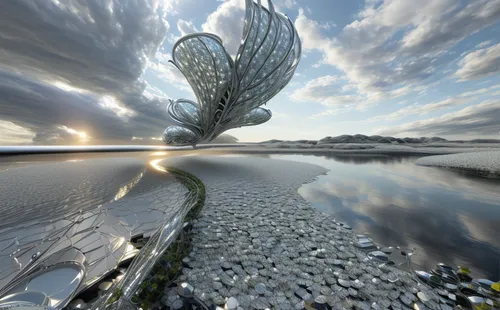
{"x": 254, "y": 117}
{"x": 267, "y": 58}
{"x": 208, "y": 68}
{"x": 186, "y": 113}
{"x": 178, "y": 135}
{"x": 229, "y": 94}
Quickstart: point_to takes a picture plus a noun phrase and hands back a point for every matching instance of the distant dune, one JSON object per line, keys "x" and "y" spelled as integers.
{"x": 380, "y": 139}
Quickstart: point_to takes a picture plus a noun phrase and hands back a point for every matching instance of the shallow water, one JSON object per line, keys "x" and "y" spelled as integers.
{"x": 52, "y": 204}
{"x": 447, "y": 216}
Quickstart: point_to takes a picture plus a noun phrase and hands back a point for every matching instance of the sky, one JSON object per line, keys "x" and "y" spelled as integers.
{"x": 97, "y": 72}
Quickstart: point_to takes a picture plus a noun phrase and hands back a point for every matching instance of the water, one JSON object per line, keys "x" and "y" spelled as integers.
{"x": 447, "y": 216}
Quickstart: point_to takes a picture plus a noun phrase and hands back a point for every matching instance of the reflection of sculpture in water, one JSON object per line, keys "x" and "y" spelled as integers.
{"x": 230, "y": 93}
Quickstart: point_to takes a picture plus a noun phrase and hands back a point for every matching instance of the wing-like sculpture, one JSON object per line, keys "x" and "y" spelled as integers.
{"x": 229, "y": 92}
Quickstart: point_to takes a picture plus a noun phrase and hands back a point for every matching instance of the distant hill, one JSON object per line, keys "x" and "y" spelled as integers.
{"x": 287, "y": 141}
{"x": 379, "y": 139}
{"x": 477, "y": 141}
{"x": 224, "y": 138}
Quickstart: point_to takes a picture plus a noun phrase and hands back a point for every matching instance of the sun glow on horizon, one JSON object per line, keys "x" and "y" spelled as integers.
{"x": 81, "y": 135}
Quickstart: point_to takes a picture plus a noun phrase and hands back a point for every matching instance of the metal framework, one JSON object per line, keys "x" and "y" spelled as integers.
{"x": 230, "y": 92}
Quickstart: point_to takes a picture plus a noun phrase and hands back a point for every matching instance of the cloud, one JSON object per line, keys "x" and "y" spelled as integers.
{"x": 328, "y": 25}
{"x": 61, "y": 135}
{"x": 326, "y": 90}
{"x": 343, "y": 100}
{"x": 331, "y": 91}
{"x": 393, "y": 44}
{"x": 323, "y": 89}
{"x": 423, "y": 109}
{"x": 102, "y": 46}
{"x": 329, "y": 112}
{"x": 186, "y": 27}
{"x": 169, "y": 72}
{"x": 11, "y": 133}
{"x": 226, "y": 22}
{"x": 481, "y": 63}
{"x": 480, "y": 91}
{"x": 310, "y": 33}
{"x": 289, "y": 4}
{"x": 48, "y": 114}
{"x": 483, "y": 44}
{"x": 172, "y": 6}
{"x": 447, "y": 23}
{"x": 476, "y": 120}
{"x": 151, "y": 92}
{"x": 321, "y": 84}
{"x": 72, "y": 71}
{"x": 111, "y": 103}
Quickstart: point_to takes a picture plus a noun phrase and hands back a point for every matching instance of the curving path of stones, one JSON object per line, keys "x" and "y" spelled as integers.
{"x": 258, "y": 241}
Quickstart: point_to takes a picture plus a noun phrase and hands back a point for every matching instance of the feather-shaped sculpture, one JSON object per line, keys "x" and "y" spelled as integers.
{"x": 230, "y": 92}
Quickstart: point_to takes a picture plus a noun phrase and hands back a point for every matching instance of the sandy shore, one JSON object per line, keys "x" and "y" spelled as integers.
{"x": 481, "y": 163}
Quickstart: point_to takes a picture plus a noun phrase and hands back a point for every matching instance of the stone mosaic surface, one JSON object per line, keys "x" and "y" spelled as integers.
{"x": 259, "y": 242}
{"x": 93, "y": 206}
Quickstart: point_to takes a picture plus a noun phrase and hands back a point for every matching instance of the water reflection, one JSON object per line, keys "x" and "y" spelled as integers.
{"x": 448, "y": 217}
{"x": 127, "y": 187}
{"x": 65, "y": 213}
{"x": 360, "y": 159}
{"x": 63, "y": 188}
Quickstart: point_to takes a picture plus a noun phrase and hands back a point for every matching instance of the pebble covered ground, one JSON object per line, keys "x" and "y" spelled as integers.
{"x": 258, "y": 244}
{"x": 480, "y": 161}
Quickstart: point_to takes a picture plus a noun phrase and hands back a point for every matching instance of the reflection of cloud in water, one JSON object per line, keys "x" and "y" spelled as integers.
{"x": 358, "y": 194}
{"x": 482, "y": 229}
{"x": 399, "y": 203}
{"x": 437, "y": 238}
{"x": 415, "y": 177}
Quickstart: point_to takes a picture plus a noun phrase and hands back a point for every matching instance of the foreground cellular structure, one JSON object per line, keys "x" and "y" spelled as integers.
{"x": 230, "y": 92}
{"x": 69, "y": 228}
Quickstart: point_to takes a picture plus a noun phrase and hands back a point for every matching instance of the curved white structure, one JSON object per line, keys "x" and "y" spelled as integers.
{"x": 230, "y": 92}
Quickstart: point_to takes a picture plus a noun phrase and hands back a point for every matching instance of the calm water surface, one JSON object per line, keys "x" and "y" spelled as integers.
{"x": 448, "y": 217}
